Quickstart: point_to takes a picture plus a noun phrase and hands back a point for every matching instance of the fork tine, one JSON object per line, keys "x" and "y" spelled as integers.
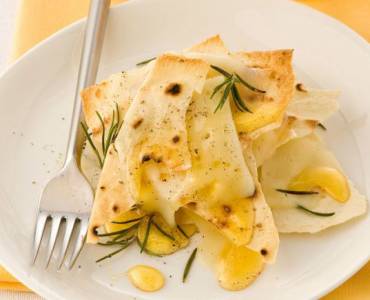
{"x": 55, "y": 225}
{"x": 70, "y": 224}
{"x": 84, "y": 222}
{"x": 42, "y": 217}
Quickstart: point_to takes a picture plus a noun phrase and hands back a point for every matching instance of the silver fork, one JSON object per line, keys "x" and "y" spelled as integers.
{"x": 67, "y": 197}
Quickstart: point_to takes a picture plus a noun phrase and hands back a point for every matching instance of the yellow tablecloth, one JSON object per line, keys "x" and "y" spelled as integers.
{"x": 37, "y": 19}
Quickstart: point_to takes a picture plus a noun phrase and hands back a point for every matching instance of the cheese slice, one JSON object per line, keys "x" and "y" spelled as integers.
{"x": 290, "y": 160}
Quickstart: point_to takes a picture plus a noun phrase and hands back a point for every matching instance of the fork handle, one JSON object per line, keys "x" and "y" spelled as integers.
{"x": 90, "y": 56}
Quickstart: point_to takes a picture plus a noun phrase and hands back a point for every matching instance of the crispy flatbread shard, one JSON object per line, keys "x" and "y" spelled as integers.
{"x": 288, "y": 161}
{"x": 279, "y": 87}
{"x": 270, "y": 71}
{"x": 110, "y": 196}
{"x": 265, "y": 145}
{"x": 312, "y": 104}
{"x": 212, "y": 45}
{"x": 265, "y": 239}
{"x": 154, "y": 128}
{"x": 110, "y": 200}
{"x": 119, "y": 89}
{"x": 307, "y": 108}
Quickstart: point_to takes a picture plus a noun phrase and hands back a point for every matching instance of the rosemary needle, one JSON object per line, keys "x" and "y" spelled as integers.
{"x": 113, "y": 253}
{"x": 144, "y": 62}
{"x": 88, "y": 138}
{"x": 146, "y": 234}
{"x": 182, "y": 231}
{"x": 322, "y": 126}
{"x": 118, "y": 242}
{"x": 189, "y": 264}
{"x": 296, "y": 192}
{"x": 125, "y": 236}
{"x": 103, "y": 133}
{"x": 117, "y": 232}
{"x": 320, "y": 214}
{"x": 128, "y": 221}
{"x": 163, "y": 232}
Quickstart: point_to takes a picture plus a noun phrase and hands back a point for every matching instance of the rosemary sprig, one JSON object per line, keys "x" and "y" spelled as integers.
{"x": 322, "y": 126}
{"x": 189, "y": 264}
{"x": 182, "y": 231}
{"x": 315, "y": 212}
{"x": 128, "y": 221}
{"x": 146, "y": 234}
{"x": 144, "y": 62}
{"x": 296, "y": 192}
{"x": 229, "y": 85}
{"x": 108, "y": 137}
{"x": 147, "y": 251}
{"x": 163, "y": 232}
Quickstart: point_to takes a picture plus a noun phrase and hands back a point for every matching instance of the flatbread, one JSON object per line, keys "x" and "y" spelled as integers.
{"x": 313, "y": 104}
{"x": 270, "y": 71}
{"x": 110, "y": 196}
{"x": 212, "y": 45}
{"x": 119, "y": 89}
{"x": 115, "y": 194}
{"x": 154, "y": 131}
{"x": 279, "y": 86}
{"x": 308, "y": 108}
{"x": 265, "y": 238}
{"x": 288, "y": 161}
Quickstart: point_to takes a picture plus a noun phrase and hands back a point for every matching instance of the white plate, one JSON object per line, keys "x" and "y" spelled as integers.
{"x": 35, "y": 102}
